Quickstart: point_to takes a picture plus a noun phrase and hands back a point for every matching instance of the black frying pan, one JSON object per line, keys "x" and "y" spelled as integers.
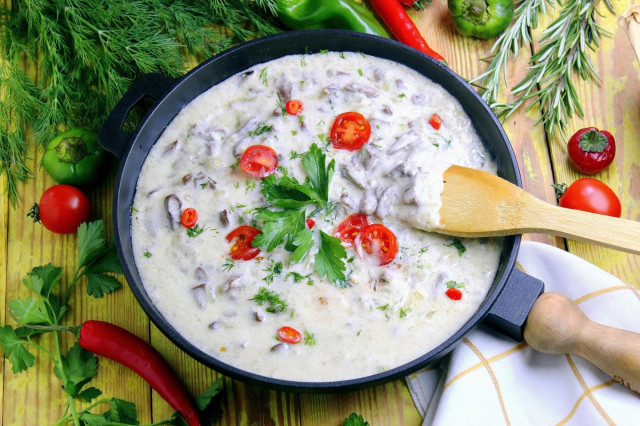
{"x": 512, "y": 293}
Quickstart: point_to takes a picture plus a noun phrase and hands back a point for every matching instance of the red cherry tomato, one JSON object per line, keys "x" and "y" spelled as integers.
{"x": 435, "y": 121}
{"x": 259, "y": 161}
{"x": 310, "y": 223}
{"x": 242, "y": 248}
{"x": 350, "y": 131}
{"x": 591, "y": 195}
{"x": 591, "y": 150}
{"x": 289, "y": 334}
{"x": 63, "y": 208}
{"x": 189, "y": 217}
{"x": 350, "y": 228}
{"x": 294, "y": 106}
{"x": 453, "y": 293}
{"x": 380, "y": 241}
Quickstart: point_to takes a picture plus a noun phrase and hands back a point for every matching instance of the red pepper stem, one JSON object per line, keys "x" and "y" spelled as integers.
{"x": 402, "y": 27}
{"x": 113, "y": 342}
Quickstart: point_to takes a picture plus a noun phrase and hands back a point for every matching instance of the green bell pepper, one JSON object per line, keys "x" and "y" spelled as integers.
{"x": 74, "y": 158}
{"x": 343, "y": 14}
{"x": 481, "y": 18}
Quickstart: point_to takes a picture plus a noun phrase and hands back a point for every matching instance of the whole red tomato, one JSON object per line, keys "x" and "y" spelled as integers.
{"x": 591, "y": 195}
{"x": 591, "y": 150}
{"x": 63, "y": 208}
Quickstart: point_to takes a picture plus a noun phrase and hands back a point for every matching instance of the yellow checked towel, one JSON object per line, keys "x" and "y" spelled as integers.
{"x": 491, "y": 380}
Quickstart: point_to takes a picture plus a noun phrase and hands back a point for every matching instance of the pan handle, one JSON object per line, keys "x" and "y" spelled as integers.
{"x": 111, "y": 137}
{"x": 509, "y": 312}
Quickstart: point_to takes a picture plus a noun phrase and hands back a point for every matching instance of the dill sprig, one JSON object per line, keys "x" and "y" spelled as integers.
{"x": 562, "y": 55}
{"x": 88, "y": 53}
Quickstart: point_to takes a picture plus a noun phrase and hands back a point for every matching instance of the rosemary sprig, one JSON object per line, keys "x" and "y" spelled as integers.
{"x": 562, "y": 55}
{"x": 88, "y": 53}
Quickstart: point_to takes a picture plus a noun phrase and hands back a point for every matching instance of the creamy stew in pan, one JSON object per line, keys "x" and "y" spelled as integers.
{"x": 273, "y": 219}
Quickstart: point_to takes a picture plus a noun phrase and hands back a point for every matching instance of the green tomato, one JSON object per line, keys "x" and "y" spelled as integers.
{"x": 74, "y": 158}
{"x": 481, "y": 18}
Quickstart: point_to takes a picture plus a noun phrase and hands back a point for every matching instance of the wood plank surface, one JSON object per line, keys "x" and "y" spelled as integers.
{"x": 35, "y": 398}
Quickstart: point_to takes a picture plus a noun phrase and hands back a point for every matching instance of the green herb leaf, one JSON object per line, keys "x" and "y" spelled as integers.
{"x": 329, "y": 257}
{"x": 458, "y": 245}
{"x": 89, "y": 394}
{"x": 276, "y": 304}
{"x": 278, "y": 226}
{"x": 91, "y": 242}
{"x": 99, "y": 284}
{"x": 454, "y": 284}
{"x": 286, "y": 192}
{"x": 355, "y": 420}
{"x": 303, "y": 242}
{"x": 209, "y": 403}
{"x": 274, "y": 269}
{"x": 91, "y": 419}
{"x": 42, "y": 279}
{"x": 78, "y": 366}
{"x": 122, "y": 412}
{"x": 29, "y": 311}
{"x": 309, "y": 339}
{"x": 320, "y": 175}
{"x": 15, "y": 349}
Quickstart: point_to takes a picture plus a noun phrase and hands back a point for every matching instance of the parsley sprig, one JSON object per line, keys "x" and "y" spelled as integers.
{"x": 288, "y": 224}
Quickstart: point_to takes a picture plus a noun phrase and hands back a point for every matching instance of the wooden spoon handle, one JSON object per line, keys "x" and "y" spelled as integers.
{"x": 556, "y": 325}
{"x": 606, "y": 231}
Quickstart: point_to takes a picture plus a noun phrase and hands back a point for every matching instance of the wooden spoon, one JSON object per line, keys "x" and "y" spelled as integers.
{"x": 556, "y": 325}
{"x": 478, "y": 204}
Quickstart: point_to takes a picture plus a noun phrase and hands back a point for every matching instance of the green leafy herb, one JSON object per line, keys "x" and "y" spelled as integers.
{"x": 279, "y": 226}
{"x": 147, "y": 254}
{"x": 249, "y": 185}
{"x": 329, "y": 261}
{"x": 303, "y": 242}
{"x": 228, "y": 264}
{"x": 274, "y": 269}
{"x": 454, "y": 284}
{"x": 309, "y": 339}
{"x": 276, "y": 304}
{"x": 355, "y": 420}
{"x": 458, "y": 245}
{"x": 360, "y": 72}
{"x": 260, "y": 129}
{"x": 297, "y": 277}
{"x": 264, "y": 76}
{"x": 195, "y": 231}
{"x": 404, "y": 312}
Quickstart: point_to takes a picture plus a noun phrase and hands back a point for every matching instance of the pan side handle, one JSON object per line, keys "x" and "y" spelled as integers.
{"x": 510, "y": 311}
{"x": 111, "y": 137}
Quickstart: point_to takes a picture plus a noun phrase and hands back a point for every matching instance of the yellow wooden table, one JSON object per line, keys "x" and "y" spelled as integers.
{"x": 35, "y": 397}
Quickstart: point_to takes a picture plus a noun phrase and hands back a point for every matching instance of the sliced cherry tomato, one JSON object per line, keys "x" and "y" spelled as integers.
{"x": 310, "y": 223}
{"x": 289, "y": 334}
{"x": 62, "y": 209}
{"x": 189, "y": 217}
{"x": 453, "y": 293}
{"x": 259, "y": 161}
{"x": 242, "y": 248}
{"x": 380, "y": 241}
{"x": 591, "y": 195}
{"x": 350, "y": 228}
{"x": 435, "y": 121}
{"x": 294, "y": 106}
{"x": 350, "y": 131}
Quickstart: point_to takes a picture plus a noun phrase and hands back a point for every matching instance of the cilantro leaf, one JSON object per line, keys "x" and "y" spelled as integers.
{"x": 355, "y": 420}
{"x": 314, "y": 161}
{"x": 122, "y": 412}
{"x": 329, "y": 257}
{"x": 29, "y": 311}
{"x": 278, "y": 226}
{"x": 79, "y": 366}
{"x": 108, "y": 260}
{"x": 89, "y": 394}
{"x": 303, "y": 242}
{"x": 286, "y": 192}
{"x": 90, "y": 419}
{"x": 91, "y": 242}
{"x": 99, "y": 284}
{"x": 42, "y": 279}
{"x": 15, "y": 349}
{"x": 209, "y": 403}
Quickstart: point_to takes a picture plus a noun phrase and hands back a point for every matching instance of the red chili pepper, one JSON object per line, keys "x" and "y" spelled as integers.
{"x": 116, "y": 343}
{"x": 402, "y": 27}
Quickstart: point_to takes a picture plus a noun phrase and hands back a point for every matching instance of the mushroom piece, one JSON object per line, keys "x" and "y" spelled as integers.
{"x": 403, "y": 142}
{"x": 386, "y": 202}
{"x": 200, "y": 295}
{"x": 369, "y": 202}
{"x": 172, "y": 147}
{"x": 419, "y": 98}
{"x": 368, "y": 91}
{"x": 214, "y": 325}
{"x": 201, "y": 275}
{"x": 173, "y": 206}
{"x": 224, "y": 218}
{"x": 356, "y": 173}
{"x": 347, "y": 201}
{"x": 280, "y": 347}
{"x": 259, "y": 316}
{"x": 235, "y": 282}
{"x": 285, "y": 88}
{"x": 379, "y": 74}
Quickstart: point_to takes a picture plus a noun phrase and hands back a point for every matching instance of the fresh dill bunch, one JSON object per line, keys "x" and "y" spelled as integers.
{"x": 87, "y": 54}
{"x": 562, "y": 55}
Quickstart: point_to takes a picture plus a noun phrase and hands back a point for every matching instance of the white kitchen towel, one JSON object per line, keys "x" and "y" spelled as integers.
{"x": 489, "y": 379}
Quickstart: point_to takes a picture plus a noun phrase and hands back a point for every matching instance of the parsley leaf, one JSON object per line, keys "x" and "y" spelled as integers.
{"x": 98, "y": 258}
{"x": 99, "y": 284}
{"x": 278, "y": 226}
{"x": 320, "y": 175}
{"x": 286, "y": 192}
{"x": 355, "y": 420}
{"x": 303, "y": 242}
{"x": 78, "y": 366}
{"x": 209, "y": 403}
{"x": 329, "y": 259}
{"x": 458, "y": 245}
{"x": 122, "y": 412}
{"x": 15, "y": 349}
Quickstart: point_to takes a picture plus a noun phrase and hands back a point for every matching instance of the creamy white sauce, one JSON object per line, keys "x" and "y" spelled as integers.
{"x": 387, "y": 315}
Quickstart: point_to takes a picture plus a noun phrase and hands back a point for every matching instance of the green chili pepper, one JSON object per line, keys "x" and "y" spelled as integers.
{"x": 74, "y": 158}
{"x": 481, "y": 18}
{"x": 343, "y": 14}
